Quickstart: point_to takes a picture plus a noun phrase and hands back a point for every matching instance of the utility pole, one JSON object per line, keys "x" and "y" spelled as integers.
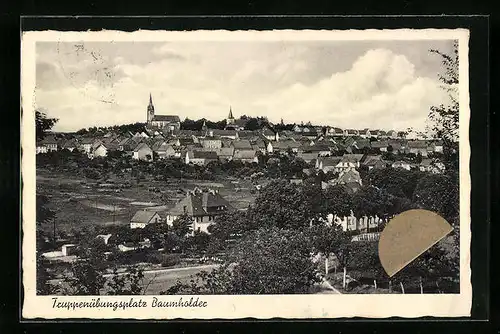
{"x": 54, "y": 237}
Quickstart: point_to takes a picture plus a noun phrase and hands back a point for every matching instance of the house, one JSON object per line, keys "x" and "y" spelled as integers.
{"x": 321, "y": 150}
{"x": 143, "y": 218}
{"x": 249, "y": 135}
{"x": 50, "y": 143}
{"x": 401, "y": 164}
{"x": 396, "y": 146}
{"x": 382, "y": 134}
{"x": 351, "y": 132}
{"x": 202, "y": 206}
{"x": 349, "y": 176}
{"x": 142, "y": 152}
{"x": 269, "y": 134}
{"x": 328, "y": 164}
{"x": 433, "y": 166}
{"x": 225, "y": 153}
{"x": 373, "y": 161}
{"x": 392, "y": 134}
{"x": 200, "y": 158}
{"x": 239, "y": 145}
{"x": 297, "y": 128}
{"x": 211, "y": 142}
{"x": 104, "y": 237}
{"x": 308, "y": 156}
{"x": 245, "y": 156}
{"x": 380, "y": 145}
{"x": 361, "y": 144}
{"x": 334, "y": 132}
{"x": 365, "y": 133}
{"x": 100, "y": 151}
{"x": 418, "y": 146}
{"x": 349, "y": 161}
{"x": 69, "y": 145}
{"x": 285, "y": 145}
{"x": 260, "y": 146}
{"x": 87, "y": 144}
{"x": 435, "y": 147}
{"x": 163, "y": 149}
{"x": 41, "y": 147}
{"x": 231, "y": 134}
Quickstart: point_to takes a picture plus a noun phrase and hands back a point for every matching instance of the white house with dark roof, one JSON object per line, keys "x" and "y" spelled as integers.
{"x": 351, "y": 132}
{"x": 201, "y": 158}
{"x": 100, "y": 151}
{"x": 202, "y": 206}
{"x": 142, "y": 152}
{"x": 50, "y": 142}
{"x": 246, "y": 156}
{"x": 143, "y": 218}
{"x": 269, "y": 134}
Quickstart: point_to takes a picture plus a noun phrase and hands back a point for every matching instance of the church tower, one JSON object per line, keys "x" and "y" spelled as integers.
{"x": 151, "y": 110}
{"x": 230, "y": 118}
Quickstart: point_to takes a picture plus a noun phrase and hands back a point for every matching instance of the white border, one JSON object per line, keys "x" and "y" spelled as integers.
{"x": 253, "y": 306}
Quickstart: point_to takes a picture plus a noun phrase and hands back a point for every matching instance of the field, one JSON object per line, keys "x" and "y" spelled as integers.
{"x": 80, "y": 202}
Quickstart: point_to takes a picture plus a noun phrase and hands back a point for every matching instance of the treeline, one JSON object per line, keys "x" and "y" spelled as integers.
{"x": 118, "y": 129}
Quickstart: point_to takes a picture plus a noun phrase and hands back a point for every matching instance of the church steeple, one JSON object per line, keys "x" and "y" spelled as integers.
{"x": 230, "y": 118}
{"x": 151, "y": 109}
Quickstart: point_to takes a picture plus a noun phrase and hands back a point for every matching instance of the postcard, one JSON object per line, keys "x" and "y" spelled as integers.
{"x": 245, "y": 174}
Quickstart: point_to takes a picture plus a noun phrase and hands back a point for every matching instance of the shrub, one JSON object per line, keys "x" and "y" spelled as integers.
{"x": 155, "y": 258}
{"x": 170, "y": 260}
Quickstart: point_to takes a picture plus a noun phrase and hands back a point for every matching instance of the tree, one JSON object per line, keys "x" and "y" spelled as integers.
{"x": 267, "y": 261}
{"x": 127, "y": 283}
{"x": 285, "y": 205}
{"x": 86, "y": 274}
{"x": 337, "y": 201}
{"x": 439, "y": 193}
{"x": 182, "y": 225}
{"x": 252, "y": 124}
{"x": 274, "y": 262}
{"x": 329, "y": 240}
{"x": 43, "y": 286}
{"x": 43, "y": 123}
{"x": 445, "y": 117}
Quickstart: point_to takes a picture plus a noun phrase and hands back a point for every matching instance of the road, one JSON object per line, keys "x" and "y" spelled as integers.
{"x": 162, "y": 279}
{"x": 327, "y": 288}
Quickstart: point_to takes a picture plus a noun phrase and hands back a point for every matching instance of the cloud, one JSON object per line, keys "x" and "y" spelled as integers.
{"x": 380, "y": 90}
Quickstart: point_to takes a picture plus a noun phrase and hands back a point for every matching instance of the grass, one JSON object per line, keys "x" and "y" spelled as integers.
{"x": 78, "y": 205}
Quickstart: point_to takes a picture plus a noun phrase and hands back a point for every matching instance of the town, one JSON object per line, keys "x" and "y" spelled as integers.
{"x": 167, "y": 193}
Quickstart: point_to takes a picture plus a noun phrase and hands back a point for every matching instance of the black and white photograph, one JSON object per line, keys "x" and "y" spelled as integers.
{"x": 237, "y": 163}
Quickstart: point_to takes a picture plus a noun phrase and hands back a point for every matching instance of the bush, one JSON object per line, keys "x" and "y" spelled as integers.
{"x": 155, "y": 257}
{"x": 170, "y": 260}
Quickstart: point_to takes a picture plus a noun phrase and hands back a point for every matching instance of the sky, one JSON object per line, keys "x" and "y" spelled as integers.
{"x": 348, "y": 84}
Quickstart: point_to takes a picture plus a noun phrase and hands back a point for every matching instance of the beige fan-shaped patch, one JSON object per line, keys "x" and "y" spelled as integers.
{"x": 409, "y": 235}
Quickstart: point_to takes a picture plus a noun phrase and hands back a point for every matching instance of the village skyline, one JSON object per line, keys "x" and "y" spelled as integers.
{"x": 344, "y": 84}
